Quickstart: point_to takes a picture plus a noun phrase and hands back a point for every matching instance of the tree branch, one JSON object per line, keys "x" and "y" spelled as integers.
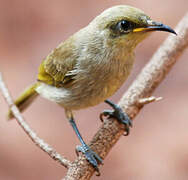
{"x": 148, "y": 100}
{"x": 32, "y": 135}
{"x": 147, "y": 81}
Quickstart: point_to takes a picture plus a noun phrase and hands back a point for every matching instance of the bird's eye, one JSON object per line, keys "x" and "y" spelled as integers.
{"x": 124, "y": 26}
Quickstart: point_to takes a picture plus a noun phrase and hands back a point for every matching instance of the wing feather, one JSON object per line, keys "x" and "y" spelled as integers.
{"x": 55, "y": 67}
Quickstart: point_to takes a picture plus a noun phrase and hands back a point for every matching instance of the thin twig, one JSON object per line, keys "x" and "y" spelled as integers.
{"x": 150, "y": 77}
{"x": 147, "y": 100}
{"x": 33, "y": 136}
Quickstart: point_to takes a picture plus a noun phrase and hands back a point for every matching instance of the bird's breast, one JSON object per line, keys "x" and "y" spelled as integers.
{"x": 91, "y": 86}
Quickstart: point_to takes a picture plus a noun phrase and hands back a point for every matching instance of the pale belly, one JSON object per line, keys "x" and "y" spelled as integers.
{"x": 80, "y": 96}
{"x": 87, "y": 90}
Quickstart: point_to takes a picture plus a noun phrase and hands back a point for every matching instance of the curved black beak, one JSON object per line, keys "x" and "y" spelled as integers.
{"x": 160, "y": 27}
{"x": 155, "y": 26}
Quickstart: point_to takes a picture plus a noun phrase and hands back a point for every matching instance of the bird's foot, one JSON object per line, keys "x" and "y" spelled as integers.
{"x": 118, "y": 114}
{"x": 91, "y": 156}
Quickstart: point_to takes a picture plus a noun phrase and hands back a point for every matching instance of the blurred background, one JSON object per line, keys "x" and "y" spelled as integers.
{"x": 157, "y": 147}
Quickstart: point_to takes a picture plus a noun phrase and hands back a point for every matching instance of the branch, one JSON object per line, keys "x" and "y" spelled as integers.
{"x": 32, "y": 135}
{"x": 148, "y": 100}
{"x": 148, "y": 80}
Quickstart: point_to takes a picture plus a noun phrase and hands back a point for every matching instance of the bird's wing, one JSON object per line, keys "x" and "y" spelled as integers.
{"x": 54, "y": 70}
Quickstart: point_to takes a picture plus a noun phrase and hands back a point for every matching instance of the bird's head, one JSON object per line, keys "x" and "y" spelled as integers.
{"x": 126, "y": 26}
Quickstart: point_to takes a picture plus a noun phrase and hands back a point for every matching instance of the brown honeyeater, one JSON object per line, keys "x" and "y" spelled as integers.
{"x": 91, "y": 65}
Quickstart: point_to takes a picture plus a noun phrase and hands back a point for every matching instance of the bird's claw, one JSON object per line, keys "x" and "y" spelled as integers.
{"x": 91, "y": 156}
{"x": 106, "y": 113}
{"x": 119, "y": 115}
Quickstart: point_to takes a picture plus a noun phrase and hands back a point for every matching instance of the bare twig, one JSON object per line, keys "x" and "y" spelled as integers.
{"x": 150, "y": 77}
{"x": 33, "y": 136}
{"x": 148, "y": 100}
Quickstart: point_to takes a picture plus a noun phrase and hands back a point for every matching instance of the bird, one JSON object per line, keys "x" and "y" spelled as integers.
{"x": 90, "y": 66}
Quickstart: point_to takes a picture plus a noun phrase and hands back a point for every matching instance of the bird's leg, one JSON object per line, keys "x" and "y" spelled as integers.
{"x": 118, "y": 114}
{"x": 91, "y": 156}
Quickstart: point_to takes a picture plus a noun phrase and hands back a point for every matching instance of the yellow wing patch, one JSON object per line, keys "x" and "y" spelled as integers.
{"x": 54, "y": 68}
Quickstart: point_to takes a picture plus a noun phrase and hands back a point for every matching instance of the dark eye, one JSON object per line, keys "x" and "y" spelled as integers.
{"x": 124, "y": 26}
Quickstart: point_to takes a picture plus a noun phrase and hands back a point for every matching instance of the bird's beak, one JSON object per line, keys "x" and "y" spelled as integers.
{"x": 155, "y": 26}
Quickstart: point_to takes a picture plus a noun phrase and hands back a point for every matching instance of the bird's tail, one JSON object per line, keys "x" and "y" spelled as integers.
{"x": 25, "y": 99}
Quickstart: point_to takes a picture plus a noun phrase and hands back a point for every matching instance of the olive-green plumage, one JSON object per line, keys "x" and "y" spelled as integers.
{"x": 92, "y": 64}
{"x": 25, "y": 99}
